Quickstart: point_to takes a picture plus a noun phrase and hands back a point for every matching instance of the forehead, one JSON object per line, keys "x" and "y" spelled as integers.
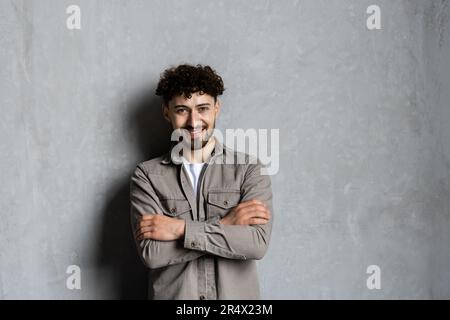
{"x": 194, "y": 100}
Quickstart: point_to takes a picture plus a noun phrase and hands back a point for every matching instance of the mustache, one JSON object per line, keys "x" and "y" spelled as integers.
{"x": 192, "y": 128}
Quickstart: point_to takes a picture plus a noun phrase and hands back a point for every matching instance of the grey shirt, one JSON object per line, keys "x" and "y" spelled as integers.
{"x": 212, "y": 261}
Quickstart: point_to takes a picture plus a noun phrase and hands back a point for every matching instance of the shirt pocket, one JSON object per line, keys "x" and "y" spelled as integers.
{"x": 176, "y": 207}
{"x": 220, "y": 202}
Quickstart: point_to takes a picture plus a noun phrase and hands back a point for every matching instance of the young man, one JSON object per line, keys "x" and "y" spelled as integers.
{"x": 199, "y": 223}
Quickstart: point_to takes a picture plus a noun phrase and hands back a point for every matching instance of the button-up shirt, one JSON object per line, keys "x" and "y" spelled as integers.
{"x": 213, "y": 260}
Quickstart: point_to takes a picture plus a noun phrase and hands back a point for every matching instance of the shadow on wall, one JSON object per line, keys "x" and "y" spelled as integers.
{"x": 117, "y": 254}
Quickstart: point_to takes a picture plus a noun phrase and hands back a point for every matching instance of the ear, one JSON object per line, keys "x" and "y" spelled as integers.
{"x": 165, "y": 111}
{"x": 217, "y": 106}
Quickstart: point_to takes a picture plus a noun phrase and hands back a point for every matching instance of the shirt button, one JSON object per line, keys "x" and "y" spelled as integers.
{"x": 225, "y": 202}
{"x": 202, "y": 297}
{"x": 193, "y": 244}
{"x": 172, "y": 210}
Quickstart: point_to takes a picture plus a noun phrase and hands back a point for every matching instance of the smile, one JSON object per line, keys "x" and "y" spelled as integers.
{"x": 197, "y": 132}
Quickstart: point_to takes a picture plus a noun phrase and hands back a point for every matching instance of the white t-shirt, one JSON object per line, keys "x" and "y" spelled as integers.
{"x": 193, "y": 170}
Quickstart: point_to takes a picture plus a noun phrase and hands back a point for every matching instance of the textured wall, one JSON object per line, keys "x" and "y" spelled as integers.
{"x": 363, "y": 116}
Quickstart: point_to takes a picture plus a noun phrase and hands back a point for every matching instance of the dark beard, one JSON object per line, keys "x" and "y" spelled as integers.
{"x": 197, "y": 144}
{"x": 200, "y": 143}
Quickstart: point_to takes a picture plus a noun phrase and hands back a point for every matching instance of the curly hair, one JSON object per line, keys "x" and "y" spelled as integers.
{"x": 186, "y": 79}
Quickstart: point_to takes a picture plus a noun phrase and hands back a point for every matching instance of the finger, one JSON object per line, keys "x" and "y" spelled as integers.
{"x": 256, "y": 211}
{"x": 248, "y": 205}
{"x": 143, "y": 230}
{"x": 260, "y": 214}
{"x": 259, "y": 207}
{"x": 256, "y": 201}
{"x": 145, "y": 235}
{"x": 139, "y": 237}
{"x": 146, "y": 223}
{"x": 257, "y": 221}
{"x": 252, "y": 203}
{"x": 147, "y": 217}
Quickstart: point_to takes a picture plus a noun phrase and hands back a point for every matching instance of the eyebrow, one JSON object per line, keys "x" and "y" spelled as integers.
{"x": 198, "y": 105}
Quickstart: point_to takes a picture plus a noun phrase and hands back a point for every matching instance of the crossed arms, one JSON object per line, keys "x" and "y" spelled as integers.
{"x": 244, "y": 233}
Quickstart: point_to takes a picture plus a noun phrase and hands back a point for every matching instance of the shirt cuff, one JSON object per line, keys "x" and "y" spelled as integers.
{"x": 194, "y": 235}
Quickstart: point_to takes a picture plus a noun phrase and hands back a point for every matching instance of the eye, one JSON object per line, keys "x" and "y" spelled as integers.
{"x": 202, "y": 109}
{"x": 180, "y": 111}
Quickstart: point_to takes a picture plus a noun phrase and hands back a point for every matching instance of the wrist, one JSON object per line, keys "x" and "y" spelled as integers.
{"x": 181, "y": 229}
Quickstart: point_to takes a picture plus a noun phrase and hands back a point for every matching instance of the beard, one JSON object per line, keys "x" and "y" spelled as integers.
{"x": 200, "y": 142}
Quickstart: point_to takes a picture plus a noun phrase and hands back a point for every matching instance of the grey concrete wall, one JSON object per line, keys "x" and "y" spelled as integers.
{"x": 363, "y": 115}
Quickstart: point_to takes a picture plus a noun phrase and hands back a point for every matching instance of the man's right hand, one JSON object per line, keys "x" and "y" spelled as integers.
{"x": 247, "y": 213}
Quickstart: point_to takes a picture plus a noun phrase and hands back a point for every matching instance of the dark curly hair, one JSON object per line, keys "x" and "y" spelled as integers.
{"x": 186, "y": 79}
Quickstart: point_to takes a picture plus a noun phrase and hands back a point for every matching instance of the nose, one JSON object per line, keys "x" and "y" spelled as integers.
{"x": 193, "y": 120}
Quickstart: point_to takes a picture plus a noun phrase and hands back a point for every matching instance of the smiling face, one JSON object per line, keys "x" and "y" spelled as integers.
{"x": 197, "y": 115}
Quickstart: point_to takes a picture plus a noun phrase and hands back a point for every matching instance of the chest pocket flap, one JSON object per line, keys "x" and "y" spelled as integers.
{"x": 175, "y": 207}
{"x": 223, "y": 200}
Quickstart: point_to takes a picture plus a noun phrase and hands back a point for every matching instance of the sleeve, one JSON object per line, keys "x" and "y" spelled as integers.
{"x": 236, "y": 241}
{"x": 153, "y": 253}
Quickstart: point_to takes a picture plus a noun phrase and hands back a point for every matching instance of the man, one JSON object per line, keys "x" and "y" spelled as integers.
{"x": 199, "y": 221}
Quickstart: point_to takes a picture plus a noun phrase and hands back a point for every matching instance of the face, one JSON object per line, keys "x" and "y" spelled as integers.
{"x": 196, "y": 115}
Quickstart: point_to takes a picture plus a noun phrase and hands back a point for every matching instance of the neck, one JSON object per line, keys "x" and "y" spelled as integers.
{"x": 200, "y": 155}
